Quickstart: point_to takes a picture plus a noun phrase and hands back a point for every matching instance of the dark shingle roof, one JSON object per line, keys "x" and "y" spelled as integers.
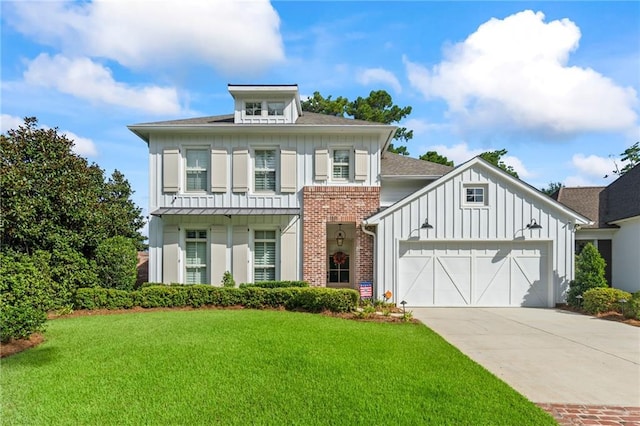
{"x": 623, "y": 196}
{"x": 399, "y": 165}
{"x": 212, "y": 119}
{"x": 309, "y": 118}
{"x": 605, "y": 204}
{"x": 588, "y": 201}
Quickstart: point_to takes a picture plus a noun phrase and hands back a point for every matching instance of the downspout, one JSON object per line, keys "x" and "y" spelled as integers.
{"x": 363, "y": 225}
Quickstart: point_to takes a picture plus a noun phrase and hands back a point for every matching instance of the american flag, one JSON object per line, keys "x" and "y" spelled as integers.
{"x": 366, "y": 290}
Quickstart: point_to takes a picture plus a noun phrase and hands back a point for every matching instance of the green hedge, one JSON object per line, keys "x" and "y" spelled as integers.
{"x": 598, "y": 300}
{"x": 632, "y": 308}
{"x": 276, "y": 284}
{"x": 292, "y": 298}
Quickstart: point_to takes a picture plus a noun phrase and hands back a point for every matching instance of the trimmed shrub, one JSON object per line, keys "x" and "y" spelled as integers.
{"x": 103, "y": 298}
{"x": 589, "y": 274}
{"x": 227, "y": 280}
{"x": 116, "y": 263}
{"x": 320, "y": 299}
{"x": 24, "y": 296}
{"x": 295, "y": 298}
{"x": 632, "y": 308}
{"x": 276, "y": 284}
{"x": 598, "y": 300}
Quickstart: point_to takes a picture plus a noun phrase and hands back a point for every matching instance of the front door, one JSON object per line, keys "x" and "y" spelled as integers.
{"x": 339, "y": 264}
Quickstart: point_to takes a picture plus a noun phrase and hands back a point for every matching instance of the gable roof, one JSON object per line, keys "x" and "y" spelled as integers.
{"x": 589, "y": 201}
{"x": 227, "y": 120}
{"x": 605, "y": 204}
{"x": 479, "y": 162}
{"x": 623, "y": 196}
{"x": 396, "y": 165}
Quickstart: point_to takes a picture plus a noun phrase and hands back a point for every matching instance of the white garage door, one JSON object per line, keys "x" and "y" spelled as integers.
{"x": 474, "y": 274}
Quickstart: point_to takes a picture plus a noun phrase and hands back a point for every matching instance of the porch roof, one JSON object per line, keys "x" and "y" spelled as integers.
{"x": 219, "y": 211}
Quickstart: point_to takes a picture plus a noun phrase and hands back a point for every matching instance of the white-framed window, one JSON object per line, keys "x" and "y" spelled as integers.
{"x": 265, "y": 170}
{"x": 264, "y": 255}
{"x": 474, "y": 195}
{"x": 275, "y": 108}
{"x": 253, "y": 108}
{"x": 196, "y": 256}
{"x": 196, "y": 170}
{"x": 341, "y": 162}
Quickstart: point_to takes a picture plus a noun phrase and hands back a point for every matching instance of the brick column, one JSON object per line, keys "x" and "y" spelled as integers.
{"x": 336, "y": 204}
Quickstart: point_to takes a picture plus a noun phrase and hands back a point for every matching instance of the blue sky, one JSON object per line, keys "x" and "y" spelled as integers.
{"x": 554, "y": 83}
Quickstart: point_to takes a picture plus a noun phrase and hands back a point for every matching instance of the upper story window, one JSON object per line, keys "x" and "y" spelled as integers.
{"x": 475, "y": 195}
{"x": 275, "y": 108}
{"x": 265, "y": 170}
{"x": 341, "y": 162}
{"x": 196, "y": 257}
{"x": 253, "y": 108}
{"x": 264, "y": 244}
{"x": 197, "y": 165}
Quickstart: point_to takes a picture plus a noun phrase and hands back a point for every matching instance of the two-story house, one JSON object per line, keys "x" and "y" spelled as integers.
{"x": 271, "y": 192}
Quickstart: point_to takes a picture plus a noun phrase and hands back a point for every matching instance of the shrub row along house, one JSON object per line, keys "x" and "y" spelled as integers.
{"x": 273, "y": 192}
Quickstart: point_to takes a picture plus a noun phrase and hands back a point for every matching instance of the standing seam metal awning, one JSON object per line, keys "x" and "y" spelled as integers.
{"x": 207, "y": 211}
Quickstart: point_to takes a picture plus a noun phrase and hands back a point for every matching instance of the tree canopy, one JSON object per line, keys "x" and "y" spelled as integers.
{"x": 52, "y": 197}
{"x": 631, "y": 156}
{"x": 434, "y": 157}
{"x": 377, "y": 107}
{"x": 552, "y": 187}
{"x": 495, "y": 158}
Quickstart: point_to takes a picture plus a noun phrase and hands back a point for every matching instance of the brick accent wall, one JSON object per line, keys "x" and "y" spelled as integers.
{"x": 336, "y": 204}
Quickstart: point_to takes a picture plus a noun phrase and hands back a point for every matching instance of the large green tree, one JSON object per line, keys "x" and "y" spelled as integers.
{"x": 495, "y": 158}
{"x": 53, "y": 198}
{"x": 377, "y": 107}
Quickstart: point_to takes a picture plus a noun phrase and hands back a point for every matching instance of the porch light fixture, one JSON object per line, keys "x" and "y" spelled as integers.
{"x": 534, "y": 225}
{"x": 426, "y": 225}
{"x": 340, "y": 236}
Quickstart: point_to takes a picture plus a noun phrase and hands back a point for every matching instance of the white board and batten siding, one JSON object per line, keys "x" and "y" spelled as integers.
{"x": 229, "y": 246}
{"x": 302, "y": 160}
{"x": 476, "y": 255}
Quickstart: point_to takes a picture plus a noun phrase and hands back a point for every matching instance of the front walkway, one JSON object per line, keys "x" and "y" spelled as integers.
{"x": 572, "y": 414}
{"x": 550, "y": 356}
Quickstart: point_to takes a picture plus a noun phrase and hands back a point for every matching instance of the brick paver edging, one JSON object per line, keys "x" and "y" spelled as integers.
{"x": 576, "y": 414}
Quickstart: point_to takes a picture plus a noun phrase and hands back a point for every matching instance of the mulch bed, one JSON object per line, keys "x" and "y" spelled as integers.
{"x": 609, "y": 316}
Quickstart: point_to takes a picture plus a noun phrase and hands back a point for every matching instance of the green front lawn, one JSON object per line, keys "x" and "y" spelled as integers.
{"x": 250, "y": 367}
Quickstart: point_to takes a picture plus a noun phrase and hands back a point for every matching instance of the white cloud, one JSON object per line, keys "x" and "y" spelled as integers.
{"x": 458, "y": 153}
{"x": 10, "y": 122}
{"x": 379, "y": 75}
{"x": 576, "y": 180}
{"x": 82, "y": 146}
{"x": 88, "y": 80}
{"x": 421, "y": 127}
{"x": 518, "y": 166}
{"x": 593, "y": 165}
{"x": 513, "y": 74}
{"x": 232, "y": 36}
{"x": 461, "y": 153}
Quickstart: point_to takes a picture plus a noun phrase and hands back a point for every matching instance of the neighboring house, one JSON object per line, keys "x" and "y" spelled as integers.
{"x": 615, "y": 231}
{"x": 272, "y": 192}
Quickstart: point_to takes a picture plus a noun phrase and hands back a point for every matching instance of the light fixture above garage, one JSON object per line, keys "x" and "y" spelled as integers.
{"x": 426, "y": 225}
{"x": 534, "y": 225}
{"x": 340, "y": 234}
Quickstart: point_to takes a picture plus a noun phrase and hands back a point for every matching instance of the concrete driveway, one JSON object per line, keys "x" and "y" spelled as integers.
{"x": 548, "y": 355}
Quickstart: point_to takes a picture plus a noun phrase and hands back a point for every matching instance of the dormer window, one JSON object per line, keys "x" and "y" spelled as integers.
{"x": 253, "y": 108}
{"x": 275, "y": 108}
